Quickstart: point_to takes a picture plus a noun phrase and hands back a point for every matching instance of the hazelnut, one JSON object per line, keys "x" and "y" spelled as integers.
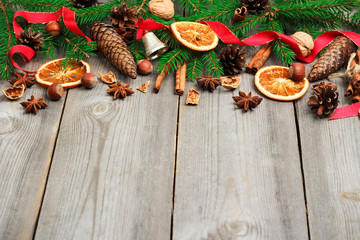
{"x": 89, "y": 80}
{"x": 53, "y": 28}
{"x": 55, "y": 91}
{"x": 296, "y": 72}
{"x": 144, "y": 66}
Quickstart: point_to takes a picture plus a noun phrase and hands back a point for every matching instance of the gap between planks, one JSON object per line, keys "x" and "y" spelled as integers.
{"x": 301, "y": 168}
{"x": 51, "y": 160}
{"x": 174, "y": 169}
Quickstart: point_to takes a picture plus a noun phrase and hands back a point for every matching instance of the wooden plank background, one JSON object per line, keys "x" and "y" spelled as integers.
{"x": 26, "y": 147}
{"x": 112, "y": 172}
{"x": 238, "y": 174}
{"x": 331, "y": 154}
{"x": 151, "y": 167}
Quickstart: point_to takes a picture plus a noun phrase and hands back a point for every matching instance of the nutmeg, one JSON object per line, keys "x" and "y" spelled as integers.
{"x": 162, "y": 8}
{"x": 144, "y": 66}
{"x": 89, "y": 80}
{"x": 305, "y": 41}
{"x": 296, "y": 72}
{"x": 55, "y": 91}
{"x": 53, "y": 28}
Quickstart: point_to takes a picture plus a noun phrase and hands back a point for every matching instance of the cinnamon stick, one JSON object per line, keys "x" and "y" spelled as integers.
{"x": 355, "y": 99}
{"x": 180, "y": 80}
{"x": 349, "y": 91}
{"x": 159, "y": 81}
{"x": 259, "y": 59}
{"x": 239, "y": 14}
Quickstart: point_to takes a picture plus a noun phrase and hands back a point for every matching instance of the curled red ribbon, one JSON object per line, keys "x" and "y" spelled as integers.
{"x": 28, "y": 53}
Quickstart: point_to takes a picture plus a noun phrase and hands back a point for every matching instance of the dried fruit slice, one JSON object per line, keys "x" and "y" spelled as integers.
{"x": 273, "y": 82}
{"x": 195, "y": 36}
{"x": 53, "y": 72}
{"x": 143, "y": 87}
{"x": 14, "y": 93}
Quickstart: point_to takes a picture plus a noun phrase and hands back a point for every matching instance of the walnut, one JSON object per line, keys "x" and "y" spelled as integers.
{"x": 193, "y": 97}
{"x": 230, "y": 82}
{"x": 108, "y": 78}
{"x": 14, "y": 92}
{"x": 162, "y": 8}
{"x": 305, "y": 41}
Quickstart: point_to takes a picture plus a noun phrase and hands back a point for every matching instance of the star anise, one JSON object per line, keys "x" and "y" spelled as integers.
{"x": 120, "y": 90}
{"x": 32, "y": 104}
{"x": 26, "y": 80}
{"x": 246, "y": 102}
{"x": 208, "y": 82}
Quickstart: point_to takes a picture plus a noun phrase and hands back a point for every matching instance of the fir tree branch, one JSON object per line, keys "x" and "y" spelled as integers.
{"x": 36, "y": 4}
{"x": 5, "y": 61}
{"x": 141, "y": 7}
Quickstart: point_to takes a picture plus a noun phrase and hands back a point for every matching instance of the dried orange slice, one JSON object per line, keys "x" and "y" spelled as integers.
{"x": 53, "y": 72}
{"x": 195, "y": 36}
{"x": 273, "y": 82}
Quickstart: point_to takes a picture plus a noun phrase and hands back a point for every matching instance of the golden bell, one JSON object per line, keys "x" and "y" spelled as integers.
{"x": 153, "y": 46}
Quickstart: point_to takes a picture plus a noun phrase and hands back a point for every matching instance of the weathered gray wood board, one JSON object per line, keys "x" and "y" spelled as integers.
{"x": 26, "y": 146}
{"x": 112, "y": 172}
{"x": 330, "y": 152}
{"x": 238, "y": 175}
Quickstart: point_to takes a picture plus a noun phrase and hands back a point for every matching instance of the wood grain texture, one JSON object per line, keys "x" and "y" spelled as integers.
{"x": 26, "y": 146}
{"x": 238, "y": 174}
{"x": 112, "y": 172}
{"x": 330, "y": 152}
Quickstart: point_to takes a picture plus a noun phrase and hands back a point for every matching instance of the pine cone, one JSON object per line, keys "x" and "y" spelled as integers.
{"x": 334, "y": 57}
{"x": 123, "y": 17}
{"x": 255, "y": 6}
{"x": 325, "y": 99}
{"x": 84, "y": 3}
{"x": 232, "y": 59}
{"x": 31, "y": 39}
{"x": 114, "y": 48}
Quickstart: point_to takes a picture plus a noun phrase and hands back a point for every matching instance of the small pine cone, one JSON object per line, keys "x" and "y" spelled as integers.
{"x": 31, "y": 39}
{"x": 114, "y": 48}
{"x": 255, "y": 6}
{"x": 324, "y": 100}
{"x": 334, "y": 57}
{"x": 84, "y": 3}
{"x": 232, "y": 59}
{"x": 123, "y": 17}
{"x": 128, "y": 35}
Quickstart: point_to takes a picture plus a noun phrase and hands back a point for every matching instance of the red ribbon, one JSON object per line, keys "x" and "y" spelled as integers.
{"x": 149, "y": 25}
{"x": 345, "y": 112}
{"x": 28, "y": 53}
{"x": 228, "y": 37}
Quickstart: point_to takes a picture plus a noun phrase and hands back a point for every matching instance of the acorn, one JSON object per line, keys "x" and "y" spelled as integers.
{"x": 89, "y": 80}
{"x": 144, "y": 66}
{"x": 53, "y": 28}
{"x": 296, "y": 72}
{"x": 55, "y": 91}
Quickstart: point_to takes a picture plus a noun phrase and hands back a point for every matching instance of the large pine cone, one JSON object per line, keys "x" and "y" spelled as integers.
{"x": 123, "y": 17}
{"x": 232, "y": 59}
{"x": 31, "y": 39}
{"x": 114, "y": 48}
{"x": 334, "y": 57}
{"x": 324, "y": 100}
{"x": 84, "y": 3}
{"x": 255, "y": 6}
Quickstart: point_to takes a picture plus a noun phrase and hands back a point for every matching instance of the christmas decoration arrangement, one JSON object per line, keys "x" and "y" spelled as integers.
{"x": 204, "y": 45}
